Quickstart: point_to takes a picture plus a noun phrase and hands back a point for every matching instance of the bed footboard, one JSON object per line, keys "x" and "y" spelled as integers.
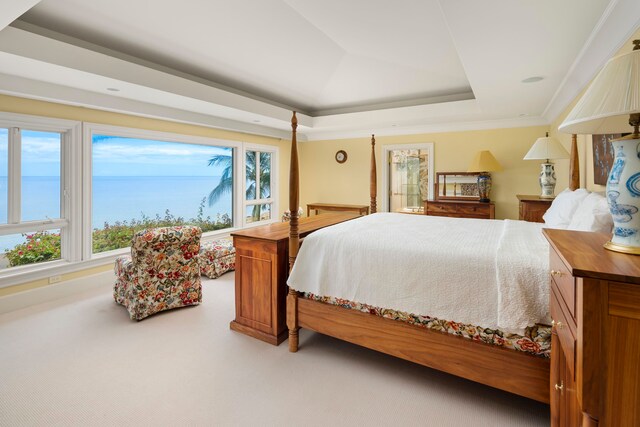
{"x": 504, "y": 369}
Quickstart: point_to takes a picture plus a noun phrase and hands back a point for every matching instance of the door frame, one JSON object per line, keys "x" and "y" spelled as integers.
{"x": 386, "y": 150}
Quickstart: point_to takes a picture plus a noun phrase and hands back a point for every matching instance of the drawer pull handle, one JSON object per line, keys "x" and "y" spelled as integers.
{"x": 556, "y": 273}
{"x": 558, "y": 325}
{"x": 559, "y": 387}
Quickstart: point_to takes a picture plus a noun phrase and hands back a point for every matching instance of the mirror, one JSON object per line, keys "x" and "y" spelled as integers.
{"x": 457, "y": 186}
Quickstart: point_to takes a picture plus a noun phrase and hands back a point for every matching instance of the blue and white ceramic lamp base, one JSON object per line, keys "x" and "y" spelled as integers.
{"x": 623, "y": 195}
{"x": 547, "y": 180}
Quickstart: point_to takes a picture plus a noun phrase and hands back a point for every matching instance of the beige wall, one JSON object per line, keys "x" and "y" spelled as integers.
{"x": 325, "y": 180}
{"x": 47, "y": 109}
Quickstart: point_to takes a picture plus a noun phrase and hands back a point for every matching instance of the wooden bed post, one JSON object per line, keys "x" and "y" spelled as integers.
{"x": 574, "y": 165}
{"x": 373, "y": 183}
{"x": 294, "y": 236}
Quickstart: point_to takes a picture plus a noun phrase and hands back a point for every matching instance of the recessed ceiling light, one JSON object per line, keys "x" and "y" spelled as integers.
{"x": 532, "y": 79}
{"x": 113, "y": 89}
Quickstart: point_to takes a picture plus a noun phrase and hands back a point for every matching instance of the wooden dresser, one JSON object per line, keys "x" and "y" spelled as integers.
{"x": 595, "y": 347}
{"x": 460, "y": 209}
{"x": 533, "y": 207}
{"x": 262, "y": 269}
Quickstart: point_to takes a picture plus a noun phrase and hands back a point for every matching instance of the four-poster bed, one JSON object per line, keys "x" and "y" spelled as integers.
{"x": 514, "y": 371}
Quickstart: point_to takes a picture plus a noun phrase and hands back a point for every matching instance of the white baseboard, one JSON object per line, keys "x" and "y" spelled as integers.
{"x": 53, "y": 292}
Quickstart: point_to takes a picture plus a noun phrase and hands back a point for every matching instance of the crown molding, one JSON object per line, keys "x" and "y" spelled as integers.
{"x": 431, "y": 128}
{"x": 50, "y": 92}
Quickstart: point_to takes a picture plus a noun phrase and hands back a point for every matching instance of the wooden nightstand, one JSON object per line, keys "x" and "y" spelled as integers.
{"x": 533, "y": 207}
{"x": 460, "y": 209}
{"x": 595, "y": 341}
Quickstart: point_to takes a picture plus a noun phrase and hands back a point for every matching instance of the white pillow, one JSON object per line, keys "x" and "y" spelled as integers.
{"x": 592, "y": 215}
{"x": 563, "y": 207}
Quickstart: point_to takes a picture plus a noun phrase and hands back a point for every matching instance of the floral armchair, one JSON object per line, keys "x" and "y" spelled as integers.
{"x": 162, "y": 272}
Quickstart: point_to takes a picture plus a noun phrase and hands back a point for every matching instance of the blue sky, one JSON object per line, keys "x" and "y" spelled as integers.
{"x": 115, "y": 156}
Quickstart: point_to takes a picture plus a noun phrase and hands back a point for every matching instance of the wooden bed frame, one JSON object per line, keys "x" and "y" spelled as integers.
{"x": 510, "y": 370}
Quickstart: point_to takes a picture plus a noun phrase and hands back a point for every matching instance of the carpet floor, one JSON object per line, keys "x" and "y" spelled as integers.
{"x": 80, "y": 361}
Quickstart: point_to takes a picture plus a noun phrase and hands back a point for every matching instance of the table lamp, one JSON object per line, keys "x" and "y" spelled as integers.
{"x": 484, "y": 162}
{"x": 611, "y": 105}
{"x": 547, "y": 149}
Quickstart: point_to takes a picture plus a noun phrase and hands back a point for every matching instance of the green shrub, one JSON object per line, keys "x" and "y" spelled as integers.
{"x": 39, "y": 247}
{"x": 119, "y": 234}
{"x": 44, "y": 246}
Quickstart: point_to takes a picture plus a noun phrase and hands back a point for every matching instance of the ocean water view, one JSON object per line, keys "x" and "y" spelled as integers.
{"x": 118, "y": 198}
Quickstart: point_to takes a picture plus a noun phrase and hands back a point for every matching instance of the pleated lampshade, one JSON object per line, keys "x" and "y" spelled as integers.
{"x": 613, "y": 95}
{"x": 546, "y": 148}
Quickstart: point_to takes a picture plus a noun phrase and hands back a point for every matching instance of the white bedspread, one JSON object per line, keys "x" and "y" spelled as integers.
{"x": 487, "y": 273}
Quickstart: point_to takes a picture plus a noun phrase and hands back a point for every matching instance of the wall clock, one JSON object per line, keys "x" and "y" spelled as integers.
{"x": 341, "y": 156}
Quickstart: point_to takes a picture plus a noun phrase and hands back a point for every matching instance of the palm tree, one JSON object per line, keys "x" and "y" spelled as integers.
{"x": 225, "y": 185}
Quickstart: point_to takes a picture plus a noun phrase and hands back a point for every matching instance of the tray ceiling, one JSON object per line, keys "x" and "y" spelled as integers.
{"x": 344, "y": 65}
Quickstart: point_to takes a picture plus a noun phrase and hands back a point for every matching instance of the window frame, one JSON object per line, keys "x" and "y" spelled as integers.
{"x": 68, "y": 220}
{"x": 76, "y": 195}
{"x": 119, "y": 131}
{"x": 273, "y": 201}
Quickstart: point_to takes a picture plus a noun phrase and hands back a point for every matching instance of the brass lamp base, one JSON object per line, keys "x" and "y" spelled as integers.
{"x": 616, "y": 247}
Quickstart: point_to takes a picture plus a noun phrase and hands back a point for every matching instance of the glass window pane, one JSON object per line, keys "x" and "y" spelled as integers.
{"x": 139, "y": 183}
{"x": 4, "y": 173}
{"x": 265, "y": 175}
{"x": 257, "y": 213}
{"x": 250, "y": 168}
{"x": 29, "y": 248}
{"x": 40, "y": 175}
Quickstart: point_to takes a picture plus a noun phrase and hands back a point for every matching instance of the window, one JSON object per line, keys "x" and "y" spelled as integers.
{"x": 143, "y": 183}
{"x": 142, "y": 179}
{"x": 68, "y": 197}
{"x": 35, "y": 214}
{"x": 258, "y": 201}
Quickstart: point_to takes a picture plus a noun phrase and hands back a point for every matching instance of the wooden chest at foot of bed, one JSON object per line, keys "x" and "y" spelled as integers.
{"x": 595, "y": 346}
{"x": 262, "y": 269}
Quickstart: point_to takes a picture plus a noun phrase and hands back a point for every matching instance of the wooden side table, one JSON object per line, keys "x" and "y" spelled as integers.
{"x": 335, "y": 207}
{"x": 532, "y": 208}
{"x": 460, "y": 209}
{"x": 595, "y": 342}
{"x": 262, "y": 269}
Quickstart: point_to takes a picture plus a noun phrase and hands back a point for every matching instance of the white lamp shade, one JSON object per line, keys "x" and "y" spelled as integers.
{"x": 613, "y": 95}
{"x": 546, "y": 148}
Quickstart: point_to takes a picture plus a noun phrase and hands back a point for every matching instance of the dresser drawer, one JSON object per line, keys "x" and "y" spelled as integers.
{"x": 437, "y": 208}
{"x": 564, "y": 282}
{"x": 562, "y": 326}
{"x": 474, "y": 210}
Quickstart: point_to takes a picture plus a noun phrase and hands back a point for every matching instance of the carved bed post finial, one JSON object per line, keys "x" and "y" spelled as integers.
{"x": 294, "y": 236}
{"x": 574, "y": 165}
{"x": 373, "y": 183}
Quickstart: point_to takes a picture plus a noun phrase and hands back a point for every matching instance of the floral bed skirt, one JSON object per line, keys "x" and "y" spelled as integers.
{"x": 536, "y": 341}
